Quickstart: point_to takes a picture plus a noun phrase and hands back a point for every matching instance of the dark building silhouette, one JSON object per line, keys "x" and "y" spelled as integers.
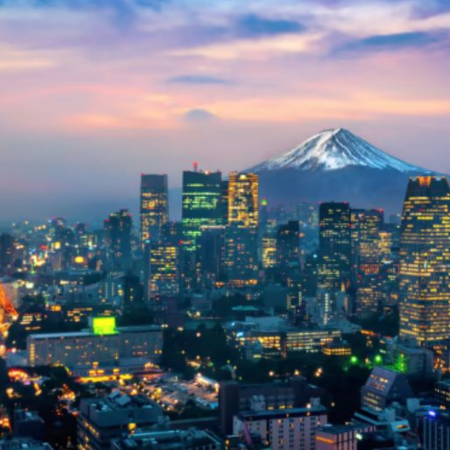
{"x": 117, "y": 239}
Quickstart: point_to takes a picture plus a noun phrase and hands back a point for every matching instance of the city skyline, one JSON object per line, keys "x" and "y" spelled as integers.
{"x": 96, "y": 93}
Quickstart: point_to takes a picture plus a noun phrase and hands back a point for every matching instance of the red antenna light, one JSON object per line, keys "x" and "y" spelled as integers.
{"x": 195, "y": 166}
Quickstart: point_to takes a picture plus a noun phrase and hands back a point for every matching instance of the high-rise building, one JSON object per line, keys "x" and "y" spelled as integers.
{"x": 242, "y": 230}
{"x": 269, "y": 251}
{"x": 243, "y": 191}
{"x": 117, "y": 238}
{"x": 366, "y": 259}
{"x": 211, "y": 255}
{"x": 161, "y": 270}
{"x": 334, "y": 245}
{"x": 424, "y": 274}
{"x": 202, "y": 204}
{"x": 288, "y": 242}
{"x": 154, "y": 205}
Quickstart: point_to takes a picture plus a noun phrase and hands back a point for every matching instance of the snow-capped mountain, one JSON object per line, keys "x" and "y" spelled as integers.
{"x": 335, "y": 149}
{"x": 336, "y": 165}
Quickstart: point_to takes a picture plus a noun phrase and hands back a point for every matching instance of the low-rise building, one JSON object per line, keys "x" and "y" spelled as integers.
{"x": 190, "y": 439}
{"x": 103, "y": 349}
{"x": 102, "y": 420}
{"x": 383, "y": 387}
{"x": 290, "y": 429}
{"x": 341, "y": 437}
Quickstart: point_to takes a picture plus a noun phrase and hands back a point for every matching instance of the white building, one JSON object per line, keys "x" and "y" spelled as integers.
{"x": 282, "y": 429}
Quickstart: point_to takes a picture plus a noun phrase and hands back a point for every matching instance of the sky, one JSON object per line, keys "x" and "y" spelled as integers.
{"x": 95, "y": 92}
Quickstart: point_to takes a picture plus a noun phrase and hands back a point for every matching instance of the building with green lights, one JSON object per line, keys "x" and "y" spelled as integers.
{"x": 101, "y": 350}
{"x": 202, "y": 204}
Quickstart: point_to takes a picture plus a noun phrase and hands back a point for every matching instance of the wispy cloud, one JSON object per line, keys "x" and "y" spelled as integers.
{"x": 255, "y": 26}
{"x": 391, "y": 42}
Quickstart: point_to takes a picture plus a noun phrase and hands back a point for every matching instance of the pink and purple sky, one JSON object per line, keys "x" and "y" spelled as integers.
{"x": 94, "y": 92}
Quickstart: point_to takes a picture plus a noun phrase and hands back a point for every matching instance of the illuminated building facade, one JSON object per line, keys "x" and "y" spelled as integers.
{"x": 269, "y": 251}
{"x": 334, "y": 245}
{"x": 280, "y": 343}
{"x": 424, "y": 274}
{"x": 101, "y": 350}
{"x": 154, "y": 205}
{"x": 242, "y": 231}
{"x": 202, "y": 204}
{"x": 290, "y": 429}
{"x": 243, "y": 191}
{"x": 383, "y": 387}
{"x": 161, "y": 270}
{"x": 117, "y": 238}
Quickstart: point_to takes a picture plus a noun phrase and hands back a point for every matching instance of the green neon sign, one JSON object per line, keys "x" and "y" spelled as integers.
{"x": 104, "y": 325}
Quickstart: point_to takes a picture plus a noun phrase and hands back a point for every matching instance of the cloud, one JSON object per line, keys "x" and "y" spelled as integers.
{"x": 199, "y": 115}
{"x": 197, "y": 79}
{"x": 249, "y": 49}
{"x": 392, "y": 41}
{"x": 254, "y": 26}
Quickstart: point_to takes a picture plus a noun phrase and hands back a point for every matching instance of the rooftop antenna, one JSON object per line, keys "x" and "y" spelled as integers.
{"x": 195, "y": 166}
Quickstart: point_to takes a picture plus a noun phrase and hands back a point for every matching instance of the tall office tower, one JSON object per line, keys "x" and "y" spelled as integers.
{"x": 224, "y": 202}
{"x": 366, "y": 226}
{"x": 243, "y": 208}
{"x": 424, "y": 277}
{"x": 132, "y": 290}
{"x": 202, "y": 204}
{"x": 288, "y": 242}
{"x": 154, "y": 205}
{"x": 334, "y": 245}
{"x": 269, "y": 251}
{"x": 161, "y": 270}
{"x": 263, "y": 215}
{"x": 242, "y": 230}
{"x": 117, "y": 239}
{"x": 172, "y": 233}
{"x": 211, "y": 256}
{"x": 307, "y": 214}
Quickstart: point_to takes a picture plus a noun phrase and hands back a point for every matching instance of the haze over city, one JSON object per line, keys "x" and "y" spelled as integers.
{"x": 95, "y": 92}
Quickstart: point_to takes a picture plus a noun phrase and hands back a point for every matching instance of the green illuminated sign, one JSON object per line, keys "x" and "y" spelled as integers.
{"x": 104, "y": 325}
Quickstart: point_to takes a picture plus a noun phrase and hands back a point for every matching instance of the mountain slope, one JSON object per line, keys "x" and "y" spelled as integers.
{"x": 336, "y": 165}
{"x": 333, "y": 150}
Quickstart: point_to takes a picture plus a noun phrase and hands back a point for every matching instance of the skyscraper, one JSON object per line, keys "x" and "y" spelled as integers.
{"x": 211, "y": 255}
{"x": 161, "y": 270}
{"x": 424, "y": 274}
{"x": 334, "y": 245}
{"x": 243, "y": 191}
{"x": 242, "y": 230}
{"x": 202, "y": 204}
{"x": 288, "y": 242}
{"x": 366, "y": 226}
{"x": 154, "y": 205}
{"x": 117, "y": 239}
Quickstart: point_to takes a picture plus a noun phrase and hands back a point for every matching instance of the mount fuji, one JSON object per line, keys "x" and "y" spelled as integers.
{"x": 336, "y": 165}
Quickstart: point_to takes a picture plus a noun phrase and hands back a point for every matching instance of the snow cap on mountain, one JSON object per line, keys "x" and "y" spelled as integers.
{"x": 335, "y": 149}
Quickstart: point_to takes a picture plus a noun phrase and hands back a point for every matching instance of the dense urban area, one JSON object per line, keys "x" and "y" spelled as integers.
{"x": 244, "y": 325}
